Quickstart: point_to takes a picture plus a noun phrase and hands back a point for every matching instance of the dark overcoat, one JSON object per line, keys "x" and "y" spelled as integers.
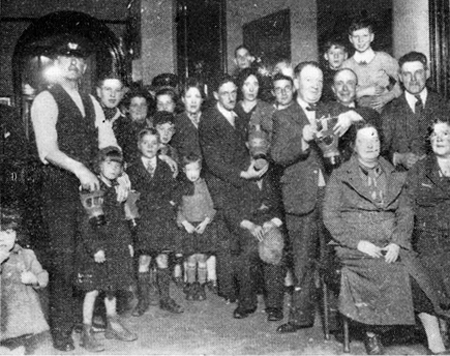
{"x": 185, "y": 140}
{"x": 373, "y": 291}
{"x": 430, "y": 195}
{"x": 114, "y": 238}
{"x": 156, "y": 230}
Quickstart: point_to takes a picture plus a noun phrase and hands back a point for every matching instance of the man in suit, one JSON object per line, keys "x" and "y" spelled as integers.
{"x": 303, "y": 183}
{"x": 228, "y": 168}
{"x": 406, "y": 119}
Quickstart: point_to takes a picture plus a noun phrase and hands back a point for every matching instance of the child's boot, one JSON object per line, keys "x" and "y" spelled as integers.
{"x": 116, "y": 330}
{"x": 189, "y": 290}
{"x": 88, "y": 341}
{"x": 201, "y": 271}
{"x": 201, "y": 294}
{"x": 143, "y": 294}
{"x": 165, "y": 302}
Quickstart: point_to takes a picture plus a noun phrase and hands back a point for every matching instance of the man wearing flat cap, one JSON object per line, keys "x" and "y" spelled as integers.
{"x": 69, "y": 130}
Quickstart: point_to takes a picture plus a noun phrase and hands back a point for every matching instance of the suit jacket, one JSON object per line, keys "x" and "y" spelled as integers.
{"x": 299, "y": 181}
{"x": 225, "y": 155}
{"x": 186, "y": 139}
{"x": 405, "y": 131}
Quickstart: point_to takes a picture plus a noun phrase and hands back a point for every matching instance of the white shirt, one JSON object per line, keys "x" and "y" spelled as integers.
{"x": 366, "y": 56}
{"x": 146, "y": 161}
{"x": 229, "y": 115}
{"x": 411, "y": 99}
{"x": 44, "y": 115}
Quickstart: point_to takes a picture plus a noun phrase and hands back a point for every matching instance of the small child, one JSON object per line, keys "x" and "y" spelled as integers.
{"x": 155, "y": 235}
{"x": 195, "y": 215}
{"x": 104, "y": 255}
{"x": 335, "y": 53}
{"x": 22, "y": 318}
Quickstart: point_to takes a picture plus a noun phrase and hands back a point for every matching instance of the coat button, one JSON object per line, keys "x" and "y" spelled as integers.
{"x": 315, "y": 171}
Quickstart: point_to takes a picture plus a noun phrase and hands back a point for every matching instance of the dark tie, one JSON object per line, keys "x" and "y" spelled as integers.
{"x": 419, "y": 104}
{"x": 150, "y": 168}
{"x": 311, "y": 107}
{"x": 363, "y": 63}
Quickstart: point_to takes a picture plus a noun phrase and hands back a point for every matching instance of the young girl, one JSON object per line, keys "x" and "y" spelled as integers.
{"x": 22, "y": 318}
{"x": 195, "y": 215}
{"x": 155, "y": 235}
{"x": 105, "y": 255}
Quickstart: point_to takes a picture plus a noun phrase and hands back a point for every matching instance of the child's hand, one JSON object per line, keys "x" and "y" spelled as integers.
{"x": 200, "y": 229}
{"x": 29, "y": 278}
{"x": 268, "y": 225}
{"x": 189, "y": 227}
{"x": 99, "y": 257}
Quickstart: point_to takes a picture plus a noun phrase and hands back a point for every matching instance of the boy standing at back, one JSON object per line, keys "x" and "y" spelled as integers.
{"x": 377, "y": 72}
{"x": 335, "y": 53}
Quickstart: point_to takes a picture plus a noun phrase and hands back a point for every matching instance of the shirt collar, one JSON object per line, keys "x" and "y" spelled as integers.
{"x": 366, "y": 56}
{"x": 146, "y": 160}
{"x": 311, "y": 115}
{"x": 411, "y": 98}
{"x": 229, "y": 115}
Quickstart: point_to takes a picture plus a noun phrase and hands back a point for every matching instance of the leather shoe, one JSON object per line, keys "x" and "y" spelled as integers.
{"x": 291, "y": 328}
{"x": 373, "y": 345}
{"x": 274, "y": 314}
{"x": 64, "y": 345}
{"x": 241, "y": 313}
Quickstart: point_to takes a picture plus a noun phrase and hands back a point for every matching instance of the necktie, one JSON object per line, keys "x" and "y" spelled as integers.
{"x": 233, "y": 118}
{"x": 311, "y": 107}
{"x": 363, "y": 63}
{"x": 150, "y": 168}
{"x": 419, "y": 104}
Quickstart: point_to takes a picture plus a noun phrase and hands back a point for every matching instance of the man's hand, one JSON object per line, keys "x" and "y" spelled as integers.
{"x": 131, "y": 249}
{"x": 392, "y": 251}
{"x": 200, "y": 229}
{"x": 309, "y": 133}
{"x": 172, "y": 164}
{"x": 369, "y": 249}
{"x": 256, "y": 230}
{"x": 188, "y": 227}
{"x": 252, "y": 173}
{"x": 28, "y": 278}
{"x": 345, "y": 120}
{"x": 99, "y": 256}
{"x": 378, "y": 102}
{"x": 88, "y": 180}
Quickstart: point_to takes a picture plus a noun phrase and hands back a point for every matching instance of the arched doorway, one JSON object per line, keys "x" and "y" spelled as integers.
{"x": 30, "y": 58}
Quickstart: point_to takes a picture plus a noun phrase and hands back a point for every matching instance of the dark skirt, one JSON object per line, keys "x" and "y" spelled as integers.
{"x": 199, "y": 243}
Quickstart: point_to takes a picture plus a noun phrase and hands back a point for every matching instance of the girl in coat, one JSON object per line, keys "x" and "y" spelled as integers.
{"x": 104, "y": 255}
{"x": 367, "y": 212}
{"x": 22, "y": 275}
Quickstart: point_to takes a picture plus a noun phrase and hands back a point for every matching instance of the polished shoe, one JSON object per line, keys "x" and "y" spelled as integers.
{"x": 116, "y": 330}
{"x": 291, "y": 328}
{"x": 373, "y": 345}
{"x": 274, "y": 314}
{"x": 64, "y": 345}
{"x": 241, "y": 313}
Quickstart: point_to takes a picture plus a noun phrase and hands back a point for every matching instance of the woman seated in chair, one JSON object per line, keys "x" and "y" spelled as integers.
{"x": 368, "y": 214}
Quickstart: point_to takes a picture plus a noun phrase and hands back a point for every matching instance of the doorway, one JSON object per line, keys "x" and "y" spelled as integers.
{"x": 201, "y": 40}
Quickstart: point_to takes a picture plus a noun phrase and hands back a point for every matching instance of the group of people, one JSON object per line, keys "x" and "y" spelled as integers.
{"x": 346, "y": 158}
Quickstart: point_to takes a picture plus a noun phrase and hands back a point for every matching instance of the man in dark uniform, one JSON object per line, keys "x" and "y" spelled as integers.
{"x": 69, "y": 127}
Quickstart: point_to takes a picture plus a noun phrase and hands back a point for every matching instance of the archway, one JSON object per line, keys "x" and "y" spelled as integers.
{"x": 30, "y": 56}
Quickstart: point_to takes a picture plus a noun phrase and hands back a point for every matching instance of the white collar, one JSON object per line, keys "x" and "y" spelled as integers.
{"x": 229, "y": 115}
{"x": 146, "y": 161}
{"x": 366, "y": 56}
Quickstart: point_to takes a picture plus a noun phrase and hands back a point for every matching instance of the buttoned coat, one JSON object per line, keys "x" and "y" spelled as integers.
{"x": 404, "y": 131}
{"x": 185, "y": 140}
{"x": 299, "y": 181}
{"x": 225, "y": 155}
{"x": 430, "y": 195}
{"x": 373, "y": 291}
{"x": 156, "y": 230}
